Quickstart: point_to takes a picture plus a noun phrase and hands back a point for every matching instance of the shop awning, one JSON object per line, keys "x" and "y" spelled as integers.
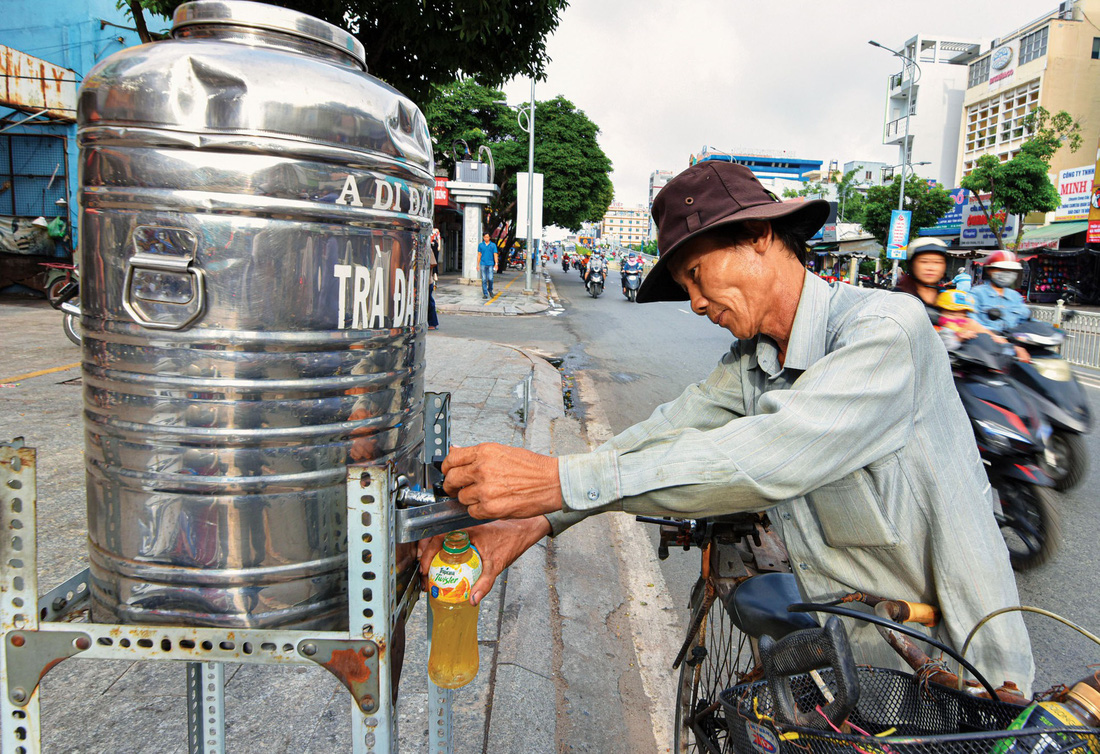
{"x": 1055, "y": 231}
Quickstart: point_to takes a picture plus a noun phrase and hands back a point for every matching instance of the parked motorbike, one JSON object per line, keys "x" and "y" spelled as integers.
{"x": 632, "y": 280}
{"x": 594, "y": 283}
{"x": 67, "y": 301}
{"x": 1050, "y": 384}
{"x": 1011, "y": 435}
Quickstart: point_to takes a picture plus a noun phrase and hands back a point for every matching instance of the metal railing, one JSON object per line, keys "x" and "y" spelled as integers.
{"x": 1082, "y": 346}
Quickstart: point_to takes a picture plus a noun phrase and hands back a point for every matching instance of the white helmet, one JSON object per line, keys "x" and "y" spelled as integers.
{"x": 1003, "y": 260}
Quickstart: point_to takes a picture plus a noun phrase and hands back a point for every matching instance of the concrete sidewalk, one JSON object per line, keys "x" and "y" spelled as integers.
{"x": 499, "y": 393}
{"x": 452, "y": 296}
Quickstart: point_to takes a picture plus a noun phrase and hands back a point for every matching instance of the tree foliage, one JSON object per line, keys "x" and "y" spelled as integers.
{"x": 415, "y": 45}
{"x": 1022, "y": 185}
{"x": 927, "y": 203}
{"x": 849, "y": 199}
{"x": 809, "y": 189}
{"x": 576, "y": 183}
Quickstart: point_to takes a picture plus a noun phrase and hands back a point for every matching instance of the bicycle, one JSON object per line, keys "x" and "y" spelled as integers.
{"x": 746, "y": 589}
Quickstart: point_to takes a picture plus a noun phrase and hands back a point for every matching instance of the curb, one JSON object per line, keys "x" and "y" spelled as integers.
{"x": 524, "y": 659}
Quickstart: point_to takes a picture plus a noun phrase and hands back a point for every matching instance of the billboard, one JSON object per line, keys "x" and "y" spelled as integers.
{"x": 975, "y": 227}
{"x": 1093, "y": 235}
{"x": 951, "y": 223}
{"x": 32, "y": 85}
{"x": 1075, "y": 188}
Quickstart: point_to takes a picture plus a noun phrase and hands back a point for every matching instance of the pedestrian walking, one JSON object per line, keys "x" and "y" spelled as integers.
{"x": 487, "y": 252}
{"x": 433, "y": 277}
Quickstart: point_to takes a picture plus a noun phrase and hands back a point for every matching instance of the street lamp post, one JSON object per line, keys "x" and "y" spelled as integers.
{"x": 528, "y": 114}
{"x": 905, "y": 143}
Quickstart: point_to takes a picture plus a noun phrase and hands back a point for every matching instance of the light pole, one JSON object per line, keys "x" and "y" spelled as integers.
{"x": 905, "y": 143}
{"x": 525, "y": 117}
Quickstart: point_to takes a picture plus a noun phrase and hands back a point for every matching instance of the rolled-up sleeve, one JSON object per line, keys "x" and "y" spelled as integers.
{"x": 850, "y": 408}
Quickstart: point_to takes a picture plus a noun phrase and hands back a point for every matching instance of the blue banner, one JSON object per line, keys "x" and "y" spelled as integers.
{"x": 897, "y": 237}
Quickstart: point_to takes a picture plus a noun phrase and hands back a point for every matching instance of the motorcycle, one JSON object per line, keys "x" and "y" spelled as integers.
{"x": 70, "y": 309}
{"x": 564, "y": 264}
{"x": 595, "y": 281}
{"x": 1011, "y": 436}
{"x": 1049, "y": 383}
{"x": 632, "y": 280}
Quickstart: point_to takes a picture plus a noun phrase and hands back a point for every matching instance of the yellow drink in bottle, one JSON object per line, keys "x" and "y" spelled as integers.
{"x": 456, "y": 568}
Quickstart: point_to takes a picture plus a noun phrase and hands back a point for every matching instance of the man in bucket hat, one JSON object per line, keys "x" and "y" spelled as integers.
{"x": 834, "y": 410}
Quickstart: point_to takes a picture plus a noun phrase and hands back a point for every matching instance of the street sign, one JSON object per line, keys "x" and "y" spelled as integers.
{"x": 897, "y": 239}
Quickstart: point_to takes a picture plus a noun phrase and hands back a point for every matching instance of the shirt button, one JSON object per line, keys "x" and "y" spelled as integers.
{"x": 786, "y": 516}
{"x": 804, "y": 566}
{"x": 593, "y": 494}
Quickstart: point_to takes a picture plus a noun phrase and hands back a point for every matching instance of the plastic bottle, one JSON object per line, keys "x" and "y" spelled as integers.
{"x": 456, "y": 568}
{"x": 1078, "y": 708}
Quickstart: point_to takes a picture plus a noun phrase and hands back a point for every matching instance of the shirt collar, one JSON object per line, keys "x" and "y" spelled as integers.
{"x": 807, "y": 342}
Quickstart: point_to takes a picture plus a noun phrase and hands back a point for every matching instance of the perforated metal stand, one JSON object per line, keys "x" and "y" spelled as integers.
{"x": 36, "y": 633}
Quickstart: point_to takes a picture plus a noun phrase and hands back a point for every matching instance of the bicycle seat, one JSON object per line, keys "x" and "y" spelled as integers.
{"x": 758, "y": 606}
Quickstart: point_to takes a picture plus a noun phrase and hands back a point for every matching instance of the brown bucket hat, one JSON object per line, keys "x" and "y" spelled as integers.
{"x": 705, "y": 196}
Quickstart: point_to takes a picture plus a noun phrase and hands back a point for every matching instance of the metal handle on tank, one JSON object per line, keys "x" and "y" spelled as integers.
{"x": 161, "y": 263}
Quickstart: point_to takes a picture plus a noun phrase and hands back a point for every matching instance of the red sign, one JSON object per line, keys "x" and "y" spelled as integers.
{"x": 1093, "y": 235}
{"x": 442, "y": 195}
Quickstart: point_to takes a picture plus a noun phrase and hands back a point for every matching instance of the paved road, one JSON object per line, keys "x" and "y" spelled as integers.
{"x": 629, "y": 358}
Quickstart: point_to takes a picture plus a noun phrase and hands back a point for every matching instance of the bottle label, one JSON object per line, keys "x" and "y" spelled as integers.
{"x": 453, "y": 582}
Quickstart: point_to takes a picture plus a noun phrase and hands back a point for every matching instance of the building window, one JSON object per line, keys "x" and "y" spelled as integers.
{"x": 1096, "y": 48}
{"x": 979, "y": 72}
{"x": 869, "y": 176}
{"x": 32, "y": 175}
{"x": 999, "y": 119}
{"x": 1033, "y": 45}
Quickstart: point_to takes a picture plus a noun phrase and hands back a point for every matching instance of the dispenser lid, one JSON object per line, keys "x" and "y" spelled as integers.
{"x": 262, "y": 16}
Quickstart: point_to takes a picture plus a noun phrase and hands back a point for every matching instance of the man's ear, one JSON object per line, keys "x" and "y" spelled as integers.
{"x": 760, "y": 234}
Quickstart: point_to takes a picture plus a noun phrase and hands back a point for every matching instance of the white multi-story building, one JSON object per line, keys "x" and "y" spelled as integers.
{"x": 938, "y": 81}
{"x": 868, "y": 173}
{"x": 625, "y": 225}
{"x": 657, "y": 181}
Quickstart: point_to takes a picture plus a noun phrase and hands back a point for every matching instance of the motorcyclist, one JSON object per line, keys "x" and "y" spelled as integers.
{"x": 927, "y": 258}
{"x": 1002, "y": 272}
{"x": 595, "y": 264}
{"x": 631, "y": 264}
{"x": 956, "y": 322}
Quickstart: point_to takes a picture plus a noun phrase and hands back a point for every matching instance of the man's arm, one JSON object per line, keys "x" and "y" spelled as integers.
{"x": 711, "y": 403}
{"x": 850, "y": 408}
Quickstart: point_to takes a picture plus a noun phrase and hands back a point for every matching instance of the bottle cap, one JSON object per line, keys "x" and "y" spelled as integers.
{"x": 456, "y": 542}
{"x": 1087, "y": 697}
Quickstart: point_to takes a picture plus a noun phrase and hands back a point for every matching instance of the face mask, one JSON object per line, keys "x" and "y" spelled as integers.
{"x": 1002, "y": 278}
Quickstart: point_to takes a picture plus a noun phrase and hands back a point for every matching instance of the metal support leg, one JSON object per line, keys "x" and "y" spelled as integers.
{"x": 206, "y": 708}
{"x": 440, "y": 723}
{"x": 19, "y": 709}
{"x": 372, "y": 599}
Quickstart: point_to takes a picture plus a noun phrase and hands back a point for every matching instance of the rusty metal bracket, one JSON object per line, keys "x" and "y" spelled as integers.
{"x": 354, "y": 663}
{"x": 30, "y": 655}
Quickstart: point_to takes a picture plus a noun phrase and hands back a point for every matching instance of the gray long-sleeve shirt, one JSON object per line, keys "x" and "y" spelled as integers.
{"x": 859, "y": 446}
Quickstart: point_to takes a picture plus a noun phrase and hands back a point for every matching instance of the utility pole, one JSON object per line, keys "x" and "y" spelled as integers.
{"x": 528, "y": 289}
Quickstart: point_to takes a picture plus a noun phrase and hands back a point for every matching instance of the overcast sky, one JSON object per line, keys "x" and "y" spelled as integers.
{"x": 661, "y": 78}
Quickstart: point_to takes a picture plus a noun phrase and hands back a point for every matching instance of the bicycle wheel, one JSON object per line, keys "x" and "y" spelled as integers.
{"x": 719, "y": 656}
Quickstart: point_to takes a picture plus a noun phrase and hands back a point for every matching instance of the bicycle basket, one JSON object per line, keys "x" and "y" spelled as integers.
{"x": 919, "y": 719}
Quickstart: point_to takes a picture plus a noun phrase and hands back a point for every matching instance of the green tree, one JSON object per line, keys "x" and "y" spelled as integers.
{"x": 413, "y": 45}
{"x": 810, "y": 188}
{"x": 1022, "y": 185}
{"x": 927, "y": 203}
{"x": 849, "y": 200}
{"x": 576, "y": 172}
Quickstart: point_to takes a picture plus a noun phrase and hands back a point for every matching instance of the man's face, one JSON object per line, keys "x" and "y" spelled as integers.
{"x": 485, "y": 238}
{"x": 929, "y": 268}
{"x": 728, "y": 284}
